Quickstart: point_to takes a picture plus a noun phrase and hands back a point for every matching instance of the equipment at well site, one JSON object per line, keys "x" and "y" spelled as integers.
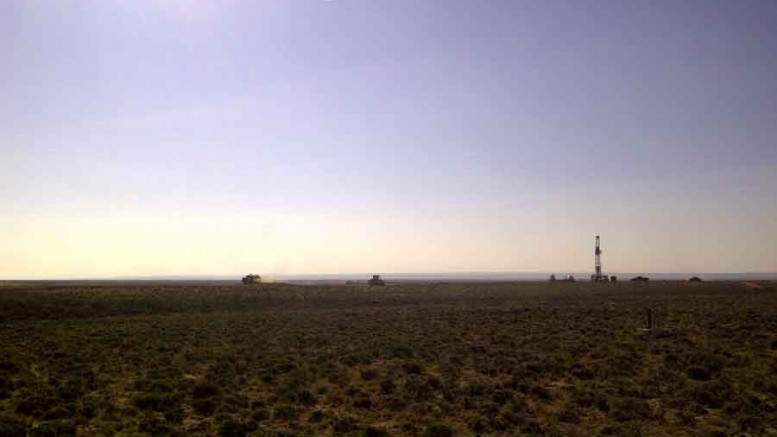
{"x": 376, "y": 281}
{"x": 251, "y": 279}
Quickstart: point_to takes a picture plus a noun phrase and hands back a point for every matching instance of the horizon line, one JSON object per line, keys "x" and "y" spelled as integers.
{"x": 517, "y": 275}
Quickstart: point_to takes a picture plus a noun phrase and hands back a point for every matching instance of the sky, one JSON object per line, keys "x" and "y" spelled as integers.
{"x": 220, "y": 137}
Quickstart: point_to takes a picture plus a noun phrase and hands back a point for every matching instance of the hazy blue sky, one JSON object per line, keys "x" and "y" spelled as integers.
{"x": 308, "y": 136}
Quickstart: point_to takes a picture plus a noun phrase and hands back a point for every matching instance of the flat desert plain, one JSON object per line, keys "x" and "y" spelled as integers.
{"x": 427, "y": 359}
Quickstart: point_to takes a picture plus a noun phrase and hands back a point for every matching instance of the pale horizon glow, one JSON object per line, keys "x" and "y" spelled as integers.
{"x": 161, "y": 138}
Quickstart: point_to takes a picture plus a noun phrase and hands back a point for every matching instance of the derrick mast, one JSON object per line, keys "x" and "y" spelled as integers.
{"x": 598, "y": 262}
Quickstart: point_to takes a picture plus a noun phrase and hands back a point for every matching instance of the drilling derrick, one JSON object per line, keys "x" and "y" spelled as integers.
{"x": 598, "y": 262}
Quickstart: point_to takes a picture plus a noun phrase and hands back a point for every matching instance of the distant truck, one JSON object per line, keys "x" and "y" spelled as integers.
{"x": 376, "y": 281}
{"x": 640, "y": 279}
{"x": 251, "y": 279}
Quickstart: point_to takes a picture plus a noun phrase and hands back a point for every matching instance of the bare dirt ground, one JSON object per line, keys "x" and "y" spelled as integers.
{"x": 432, "y": 359}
